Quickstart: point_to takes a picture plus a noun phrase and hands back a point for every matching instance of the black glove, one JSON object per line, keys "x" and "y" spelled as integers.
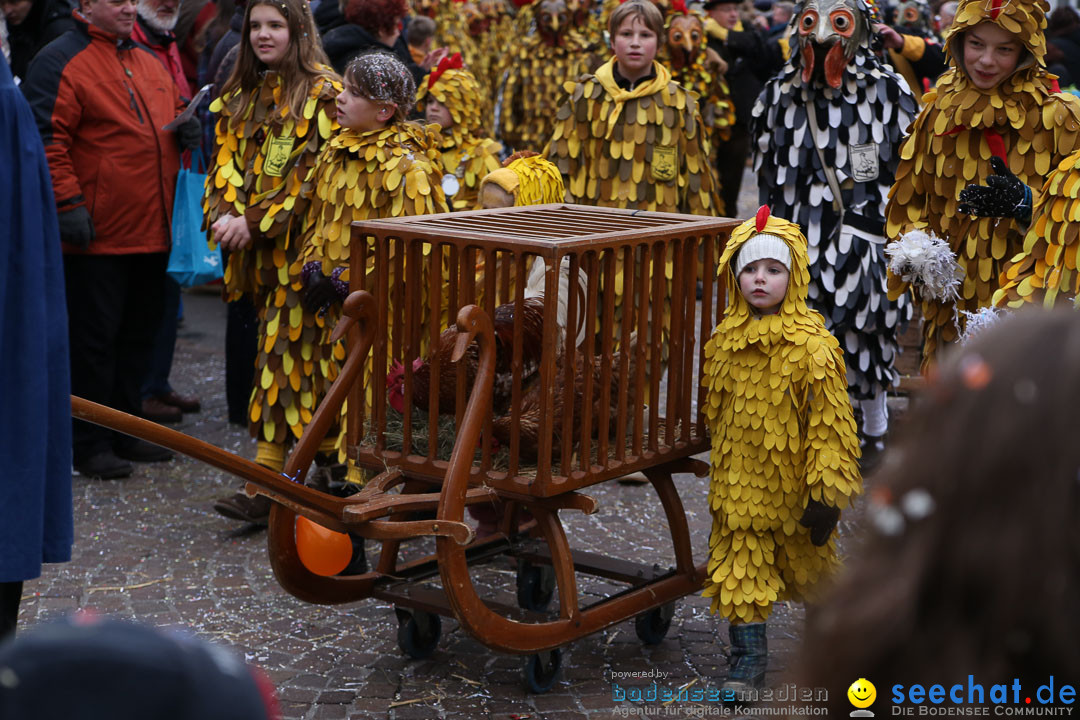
{"x": 76, "y": 227}
{"x": 821, "y": 519}
{"x": 189, "y": 134}
{"x": 1002, "y": 196}
{"x": 320, "y": 291}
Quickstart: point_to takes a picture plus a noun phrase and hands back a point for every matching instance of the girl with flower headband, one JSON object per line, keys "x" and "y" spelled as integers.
{"x": 275, "y": 114}
{"x": 784, "y": 459}
{"x": 995, "y": 119}
{"x": 392, "y": 164}
{"x": 451, "y": 98}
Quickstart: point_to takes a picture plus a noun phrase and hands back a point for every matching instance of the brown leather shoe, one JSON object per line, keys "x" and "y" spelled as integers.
{"x": 184, "y": 403}
{"x": 254, "y": 510}
{"x": 155, "y": 410}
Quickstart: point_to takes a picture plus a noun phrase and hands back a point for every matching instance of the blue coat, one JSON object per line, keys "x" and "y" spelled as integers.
{"x": 35, "y": 404}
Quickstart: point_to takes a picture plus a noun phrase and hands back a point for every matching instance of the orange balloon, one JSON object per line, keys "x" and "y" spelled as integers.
{"x": 322, "y": 550}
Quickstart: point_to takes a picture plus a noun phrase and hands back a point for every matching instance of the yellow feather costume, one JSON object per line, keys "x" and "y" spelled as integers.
{"x": 264, "y": 166}
{"x": 391, "y": 172}
{"x": 467, "y": 155}
{"x": 782, "y": 432}
{"x": 533, "y": 89}
{"x": 1047, "y": 266}
{"x": 644, "y": 149}
{"x": 950, "y": 145}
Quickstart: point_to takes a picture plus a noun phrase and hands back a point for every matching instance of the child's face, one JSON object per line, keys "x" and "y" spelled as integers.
{"x": 269, "y": 34}
{"x": 356, "y": 112}
{"x": 635, "y": 47}
{"x": 764, "y": 283}
{"x": 436, "y": 112}
{"x": 991, "y": 53}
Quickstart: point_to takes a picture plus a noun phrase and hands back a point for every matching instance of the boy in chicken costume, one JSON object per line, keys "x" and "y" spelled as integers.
{"x": 450, "y": 96}
{"x": 630, "y": 136}
{"x": 784, "y": 459}
{"x": 378, "y": 166}
{"x": 828, "y": 127}
{"x": 981, "y": 113}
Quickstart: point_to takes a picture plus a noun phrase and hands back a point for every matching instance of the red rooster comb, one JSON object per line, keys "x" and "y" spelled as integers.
{"x": 679, "y": 6}
{"x": 452, "y": 62}
{"x": 761, "y": 218}
{"x": 995, "y": 9}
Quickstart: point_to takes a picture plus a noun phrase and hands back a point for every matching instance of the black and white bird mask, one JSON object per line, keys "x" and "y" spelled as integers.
{"x": 828, "y": 33}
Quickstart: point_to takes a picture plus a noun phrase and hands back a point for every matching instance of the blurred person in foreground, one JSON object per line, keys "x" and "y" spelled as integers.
{"x": 973, "y": 566}
{"x": 117, "y": 670}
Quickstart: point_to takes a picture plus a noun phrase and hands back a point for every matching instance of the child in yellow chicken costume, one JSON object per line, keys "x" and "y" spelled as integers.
{"x": 997, "y": 101}
{"x": 378, "y": 166}
{"x": 275, "y": 113}
{"x": 784, "y": 447}
{"x": 450, "y": 97}
{"x": 631, "y": 137}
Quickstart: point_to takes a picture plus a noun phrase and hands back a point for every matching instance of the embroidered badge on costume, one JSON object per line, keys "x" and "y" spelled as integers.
{"x": 864, "y": 162}
{"x": 277, "y": 156}
{"x": 664, "y": 163}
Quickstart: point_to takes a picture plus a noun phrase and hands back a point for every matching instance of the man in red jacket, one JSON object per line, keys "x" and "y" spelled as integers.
{"x": 101, "y": 103}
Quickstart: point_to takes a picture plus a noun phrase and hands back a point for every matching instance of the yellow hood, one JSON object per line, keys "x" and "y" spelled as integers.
{"x": 1026, "y": 19}
{"x": 794, "y": 306}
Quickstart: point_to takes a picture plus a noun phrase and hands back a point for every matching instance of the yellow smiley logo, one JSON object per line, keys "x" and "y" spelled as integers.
{"x": 862, "y": 693}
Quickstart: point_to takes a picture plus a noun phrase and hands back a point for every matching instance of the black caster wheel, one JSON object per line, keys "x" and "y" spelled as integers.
{"x": 418, "y": 632}
{"x": 653, "y": 625}
{"x": 542, "y": 671}
{"x": 535, "y": 586}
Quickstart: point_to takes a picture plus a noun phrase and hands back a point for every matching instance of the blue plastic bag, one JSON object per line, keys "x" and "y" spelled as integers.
{"x": 191, "y": 261}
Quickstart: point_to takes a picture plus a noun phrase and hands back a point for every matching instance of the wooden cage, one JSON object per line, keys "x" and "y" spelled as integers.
{"x": 626, "y": 358}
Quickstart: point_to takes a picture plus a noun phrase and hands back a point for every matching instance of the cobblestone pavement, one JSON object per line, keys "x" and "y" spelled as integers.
{"x": 151, "y": 548}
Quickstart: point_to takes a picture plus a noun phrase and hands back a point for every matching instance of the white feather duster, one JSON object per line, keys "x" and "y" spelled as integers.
{"x": 925, "y": 260}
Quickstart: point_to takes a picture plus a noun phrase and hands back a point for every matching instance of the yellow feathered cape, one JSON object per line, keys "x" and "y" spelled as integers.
{"x": 644, "y": 149}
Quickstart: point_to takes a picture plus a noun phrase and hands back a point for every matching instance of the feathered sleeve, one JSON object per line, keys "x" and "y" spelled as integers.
{"x": 271, "y": 209}
{"x": 224, "y": 192}
{"x": 572, "y": 130}
{"x": 1047, "y": 266}
{"x": 697, "y": 184}
{"x": 830, "y": 442}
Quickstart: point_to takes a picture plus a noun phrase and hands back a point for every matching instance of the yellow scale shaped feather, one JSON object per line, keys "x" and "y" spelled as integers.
{"x": 766, "y": 377}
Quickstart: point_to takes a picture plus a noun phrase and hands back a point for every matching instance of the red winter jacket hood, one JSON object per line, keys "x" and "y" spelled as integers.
{"x": 100, "y": 102}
